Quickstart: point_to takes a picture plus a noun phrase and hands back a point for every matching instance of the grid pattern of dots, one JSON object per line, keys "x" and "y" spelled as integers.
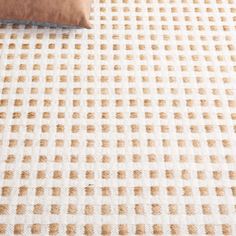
{"x": 125, "y": 129}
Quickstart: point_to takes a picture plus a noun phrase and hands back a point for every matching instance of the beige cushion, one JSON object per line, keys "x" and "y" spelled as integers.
{"x": 65, "y": 12}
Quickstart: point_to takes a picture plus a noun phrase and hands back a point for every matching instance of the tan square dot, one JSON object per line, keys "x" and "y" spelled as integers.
{"x": 106, "y": 229}
{"x": 88, "y": 229}
{"x": 53, "y": 229}
{"x": 71, "y": 229}
{"x": 18, "y": 229}
{"x": 36, "y": 229}
{"x": 123, "y": 229}
{"x": 3, "y": 228}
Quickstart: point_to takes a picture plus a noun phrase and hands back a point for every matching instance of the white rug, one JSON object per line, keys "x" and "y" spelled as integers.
{"x": 125, "y": 129}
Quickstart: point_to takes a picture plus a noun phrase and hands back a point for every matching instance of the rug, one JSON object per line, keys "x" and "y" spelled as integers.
{"x": 125, "y": 129}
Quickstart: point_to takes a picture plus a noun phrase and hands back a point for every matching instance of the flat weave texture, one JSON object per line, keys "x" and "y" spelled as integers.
{"x": 125, "y": 129}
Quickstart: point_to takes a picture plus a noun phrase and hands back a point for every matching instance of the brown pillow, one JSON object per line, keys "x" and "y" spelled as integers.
{"x": 64, "y": 12}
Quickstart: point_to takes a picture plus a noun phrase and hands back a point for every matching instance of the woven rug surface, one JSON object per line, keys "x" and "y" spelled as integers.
{"x": 125, "y": 129}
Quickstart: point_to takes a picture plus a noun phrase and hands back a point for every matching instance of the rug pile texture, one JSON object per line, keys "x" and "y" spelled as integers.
{"x": 125, "y": 129}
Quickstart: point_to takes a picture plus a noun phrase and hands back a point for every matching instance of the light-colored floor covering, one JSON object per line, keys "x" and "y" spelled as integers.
{"x": 125, "y": 129}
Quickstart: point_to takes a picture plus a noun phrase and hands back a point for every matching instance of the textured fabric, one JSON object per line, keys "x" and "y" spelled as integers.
{"x": 66, "y": 12}
{"x": 124, "y": 129}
